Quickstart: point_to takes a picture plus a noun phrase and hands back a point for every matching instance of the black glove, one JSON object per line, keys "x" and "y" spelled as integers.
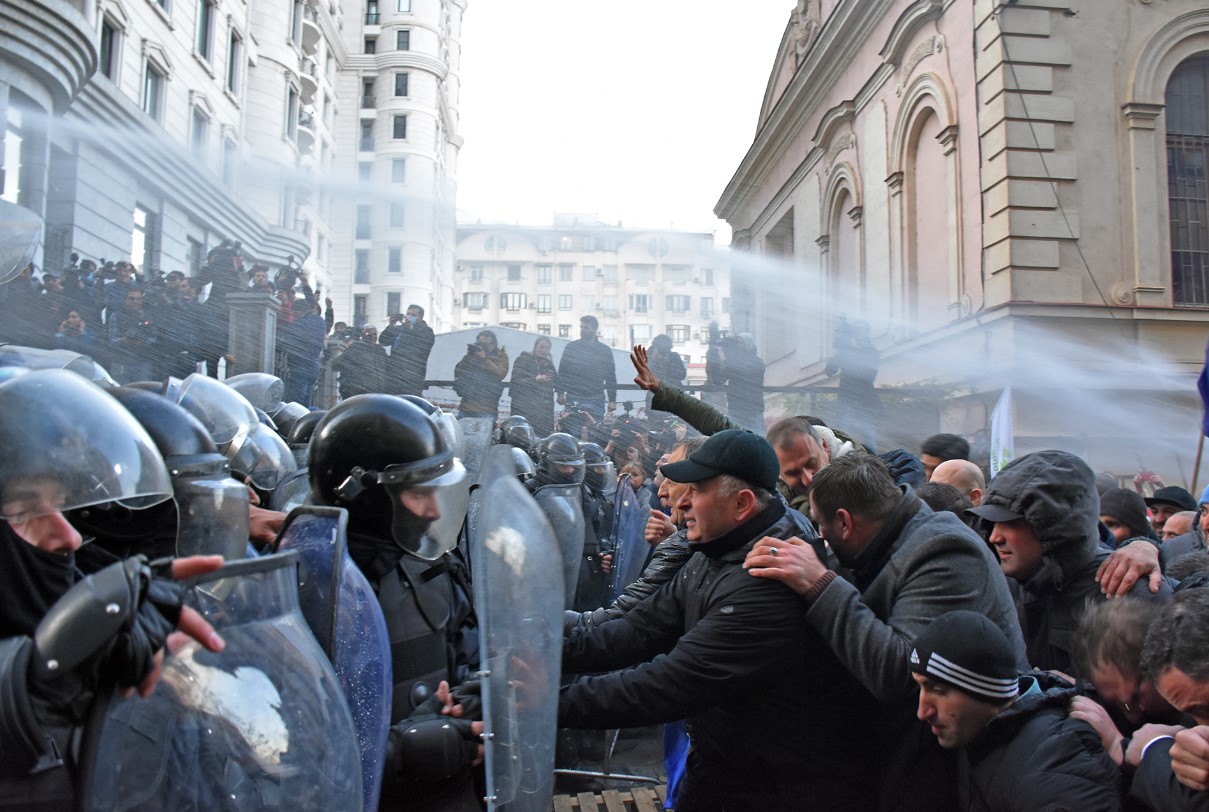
{"x": 427, "y": 748}
{"x": 470, "y": 696}
{"x": 104, "y": 631}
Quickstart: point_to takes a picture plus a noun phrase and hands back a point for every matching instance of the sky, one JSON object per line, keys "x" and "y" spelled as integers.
{"x": 637, "y": 111}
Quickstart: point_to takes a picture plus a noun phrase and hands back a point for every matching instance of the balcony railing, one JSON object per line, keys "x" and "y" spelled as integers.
{"x": 371, "y": 17}
{"x": 366, "y": 145}
{"x": 367, "y": 102}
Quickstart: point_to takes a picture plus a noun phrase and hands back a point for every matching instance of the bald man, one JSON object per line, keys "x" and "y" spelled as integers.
{"x": 1178, "y": 524}
{"x": 963, "y": 475}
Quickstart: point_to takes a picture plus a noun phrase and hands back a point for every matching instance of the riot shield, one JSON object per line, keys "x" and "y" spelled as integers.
{"x": 476, "y": 439}
{"x": 261, "y": 724}
{"x": 519, "y": 600}
{"x": 630, "y": 547}
{"x": 343, "y": 612}
{"x": 292, "y": 491}
{"x": 564, "y": 510}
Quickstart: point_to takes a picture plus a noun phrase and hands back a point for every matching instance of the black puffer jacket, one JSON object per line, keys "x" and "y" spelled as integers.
{"x": 1033, "y": 757}
{"x": 769, "y": 707}
{"x": 1056, "y": 494}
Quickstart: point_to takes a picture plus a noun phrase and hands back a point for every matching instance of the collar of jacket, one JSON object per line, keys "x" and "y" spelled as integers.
{"x": 869, "y": 561}
{"x": 1051, "y": 693}
{"x": 742, "y": 535}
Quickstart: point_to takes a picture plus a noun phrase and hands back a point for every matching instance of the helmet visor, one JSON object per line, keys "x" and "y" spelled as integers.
{"x": 262, "y": 390}
{"x": 428, "y": 515}
{"x": 68, "y": 445}
{"x": 225, "y": 413}
{"x": 263, "y": 457}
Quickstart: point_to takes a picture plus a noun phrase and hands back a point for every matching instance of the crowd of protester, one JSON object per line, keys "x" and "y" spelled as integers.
{"x": 841, "y": 626}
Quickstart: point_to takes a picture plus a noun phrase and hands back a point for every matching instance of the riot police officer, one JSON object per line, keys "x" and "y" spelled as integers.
{"x": 560, "y": 473}
{"x": 385, "y": 461}
{"x": 600, "y": 483}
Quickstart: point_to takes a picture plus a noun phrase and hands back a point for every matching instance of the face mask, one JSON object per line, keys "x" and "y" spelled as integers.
{"x": 412, "y": 319}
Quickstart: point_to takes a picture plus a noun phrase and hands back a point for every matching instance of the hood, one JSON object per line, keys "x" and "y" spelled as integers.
{"x": 1055, "y": 492}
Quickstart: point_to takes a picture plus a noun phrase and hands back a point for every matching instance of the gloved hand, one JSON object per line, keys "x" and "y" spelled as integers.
{"x": 905, "y": 468}
{"x": 104, "y": 631}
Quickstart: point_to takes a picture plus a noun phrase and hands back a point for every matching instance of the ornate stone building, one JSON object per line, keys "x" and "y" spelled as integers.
{"x": 1010, "y": 194}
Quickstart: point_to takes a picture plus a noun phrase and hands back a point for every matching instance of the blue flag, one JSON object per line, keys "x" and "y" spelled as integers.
{"x": 1202, "y": 385}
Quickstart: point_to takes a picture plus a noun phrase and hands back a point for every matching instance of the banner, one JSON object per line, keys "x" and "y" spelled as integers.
{"x": 1003, "y": 433}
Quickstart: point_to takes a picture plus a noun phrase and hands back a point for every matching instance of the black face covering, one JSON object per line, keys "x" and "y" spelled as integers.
{"x": 376, "y": 547}
{"x": 31, "y": 580}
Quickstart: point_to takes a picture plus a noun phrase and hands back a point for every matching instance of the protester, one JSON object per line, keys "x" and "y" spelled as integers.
{"x": 532, "y": 387}
{"x": 362, "y": 366}
{"x": 410, "y": 345}
{"x": 478, "y": 377}
{"x": 941, "y": 448}
{"x": 586, "y": 376}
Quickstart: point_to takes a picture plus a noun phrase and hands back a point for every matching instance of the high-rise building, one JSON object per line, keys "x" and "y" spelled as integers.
{"x": 638, "y": 283}
{"x": 154, "y": 130}
{"x": 394, "y": 223}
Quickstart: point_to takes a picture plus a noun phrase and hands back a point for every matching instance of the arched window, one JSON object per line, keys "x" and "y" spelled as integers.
{"x": 1187, "y": 182}
{"x": 927, "y": 223}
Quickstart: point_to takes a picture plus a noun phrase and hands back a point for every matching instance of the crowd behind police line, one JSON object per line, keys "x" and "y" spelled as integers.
{"x": 941, "y": 641}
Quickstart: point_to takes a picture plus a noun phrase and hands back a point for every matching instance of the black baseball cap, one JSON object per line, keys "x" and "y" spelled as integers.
{"x": 735, "y": 452}
{"x": 1172, "y": 495}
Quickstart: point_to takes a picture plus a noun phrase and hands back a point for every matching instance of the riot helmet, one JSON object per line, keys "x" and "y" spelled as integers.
{"x": 286, "y": 415}
{"x": 208, "y": 514}
{"x": 600, "y": 476}
{"x": 446, "y": 422}
{"x": 12, "y": 355}
{"x": 263, "y": 458}
{"x": 559, "y": 461}
{"x": 525, "y": 470}
{"x": 516, "y": 431}
{"x": 300, "y": 435}
{"x": 67, "y": 444}
{"x": 226, "y": 414}
{"x": 261, "y": 389}
{"x": 388, "y": 463}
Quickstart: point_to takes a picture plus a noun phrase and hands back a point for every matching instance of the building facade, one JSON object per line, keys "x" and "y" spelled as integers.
{"x": 1010, "y": 194}
{"x": 154, "y": 129}
{"x": 638, "y": 283}
{"x": 394, "y": 220}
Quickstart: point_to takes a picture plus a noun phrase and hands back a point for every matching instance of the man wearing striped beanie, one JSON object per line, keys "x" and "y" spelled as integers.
{"x": 1019, "y": 748}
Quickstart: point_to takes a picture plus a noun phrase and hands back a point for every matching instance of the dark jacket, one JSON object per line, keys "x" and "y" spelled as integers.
{"x": 586, "y": 370}
{"x": 409, "y": 353}
{"x": 1055, "y": 493}
{"x": 666, "y": 560}
{"x": 532, "y": 398}
{"x": 705, "y": 647}
{"x": 479, "y": 380}
{"x": 1155, "y": 785}
{"x": 1190, "y": 542}
{"x": 362, "y": 369}
{"x": 1033, "y": 757}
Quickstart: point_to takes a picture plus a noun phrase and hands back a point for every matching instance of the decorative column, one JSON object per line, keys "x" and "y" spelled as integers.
{"x": 252, "y": 331}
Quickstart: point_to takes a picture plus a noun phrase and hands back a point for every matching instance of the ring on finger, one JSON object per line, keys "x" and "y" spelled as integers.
{"x": 772, "y": 551}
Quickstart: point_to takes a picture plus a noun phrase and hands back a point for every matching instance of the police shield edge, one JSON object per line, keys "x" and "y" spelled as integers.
{"x": 476, "y": 439}
{"x": 630, "y": 547}
{"x": 340, "y": 607}
{"x": 497, "y": 464}
{"x": 564, "y": 510}
{"x": 260, "y": 725}
{"x": 519, "y": 593}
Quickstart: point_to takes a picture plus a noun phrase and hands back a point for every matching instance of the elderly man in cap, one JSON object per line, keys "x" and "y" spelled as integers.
{"x": 1019, "y": 749}
{"x": 775, "y": 721}
{"x": 1167, "y": 502}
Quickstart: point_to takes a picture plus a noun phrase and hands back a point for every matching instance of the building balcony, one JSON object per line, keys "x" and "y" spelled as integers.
{"x": 368, "y": 103}
{"x": 372, "y": 17}
{"x": 311, "y": 34}
{"x": 306, "y": 133}
{"x": 365, "y": 145}
{"x": 308, "y": 79}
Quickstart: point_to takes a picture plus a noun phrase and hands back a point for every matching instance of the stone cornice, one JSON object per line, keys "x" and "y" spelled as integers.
{"x": 907, "y": 26}
{"x": 840, "y": 42}
{"x": 48, "y": 40}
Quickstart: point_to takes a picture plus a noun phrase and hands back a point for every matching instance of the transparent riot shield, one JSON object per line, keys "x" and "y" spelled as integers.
{"x": 629, "y": 543}
{"x": 261, "y": 724}
{"x": 519, "y": 598}
{"x": 564, "y": 510}
{"x": 476, "y": 439}
{"x": 293, "y": 491}
{"x": 343, "y": 613}
{"x": 498, "y": 463}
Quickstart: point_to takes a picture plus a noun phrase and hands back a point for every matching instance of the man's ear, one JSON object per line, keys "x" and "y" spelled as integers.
{"x": 843, "y": 518}
{"x": 745, "y": 505}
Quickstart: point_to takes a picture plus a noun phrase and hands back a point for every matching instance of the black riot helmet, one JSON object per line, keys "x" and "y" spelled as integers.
{"x": 388, "y": 463}
{"x": 515, "y": 431}
{"x": 208, "y": 512}
{"x": 599, "y": 475}
{"x": 300, "y": 435}
{"x": 559, "y": 461}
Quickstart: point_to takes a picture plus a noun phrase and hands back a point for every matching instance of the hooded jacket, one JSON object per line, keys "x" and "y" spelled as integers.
{"x": 1055, "y": 492}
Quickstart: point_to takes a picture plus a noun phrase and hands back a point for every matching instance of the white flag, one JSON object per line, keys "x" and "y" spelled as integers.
{"x": 1003, "y": 433}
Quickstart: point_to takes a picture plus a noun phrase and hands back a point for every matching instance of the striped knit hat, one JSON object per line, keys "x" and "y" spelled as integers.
{"x": 967, "y": 651}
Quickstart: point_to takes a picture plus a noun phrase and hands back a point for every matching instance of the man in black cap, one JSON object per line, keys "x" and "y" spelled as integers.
{"x": 1020, "y": 750}
{"x": 1167, "y": 502}
{"x": 712, "y": 639}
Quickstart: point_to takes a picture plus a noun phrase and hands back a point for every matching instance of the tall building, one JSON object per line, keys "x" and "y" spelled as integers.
{"x": 1011, "y": 194}
{"x": 638, "y": 283}
{"x": 153, "y": 130}
{"x": 394, "y": 221}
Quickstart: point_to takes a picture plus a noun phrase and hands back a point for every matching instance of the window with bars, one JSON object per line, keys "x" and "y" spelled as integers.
{"x": 1187, "y": 182}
